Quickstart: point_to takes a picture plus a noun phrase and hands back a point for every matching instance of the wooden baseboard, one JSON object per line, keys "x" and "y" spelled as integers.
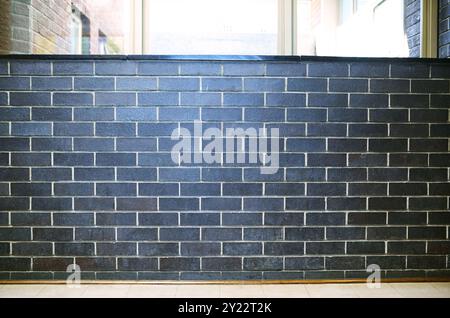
{"x": 226, "y": 282}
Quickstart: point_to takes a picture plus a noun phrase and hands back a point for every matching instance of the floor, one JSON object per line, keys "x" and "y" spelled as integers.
{"x": 396, "y": 290}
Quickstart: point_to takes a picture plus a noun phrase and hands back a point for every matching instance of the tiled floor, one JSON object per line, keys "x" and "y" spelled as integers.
{"x": 434, "y": 290}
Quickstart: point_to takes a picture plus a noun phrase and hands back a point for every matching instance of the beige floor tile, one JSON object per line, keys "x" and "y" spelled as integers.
{"x": 152, "y": 291}
{"x": 385, "y": 291}
{"x": 198, "y": 291}
{"x": 420, "y": 290}
{"x": 242, "y": 291}
{"x": 443, "y": 288}
{"x": 106, "y": 291}
{"x": 285, "y": 291}
{"x": 331, "y": 291}
{"x": 62, "y": 291}
{"x": 20, "y": 291}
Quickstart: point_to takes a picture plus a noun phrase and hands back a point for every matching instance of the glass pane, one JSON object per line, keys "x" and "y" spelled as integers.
{"x": 372, "y": 28}
{"x": 213, "y": 27}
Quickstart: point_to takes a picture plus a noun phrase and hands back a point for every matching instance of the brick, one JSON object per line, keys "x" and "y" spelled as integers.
{"x": 439, "y": 101}
{"x": 264, "y": 84}
{"x": 407, "y": 189}
{"x": 94, "y": 204}
{"x": 348, "y": 85}
{"x": 74, "y": 249}
{"x": 367, "y": 130}
{"x": 137, "y": 234}
{"x": 73, "y": 219}
{"x": 325, "y": 248}
{"x": 158, "y": 219}
{"x": 409, "y": 130}
{"x": 93, "y": 144}
{"x": 136, "y": 114}
{"x": 369, "y": 100}
{"x": 254, "y": 175}
{"x": 423, "y": 174}
{"x": 387, "y": 203}
{"x": 407, "y": 218}
{"x": 157, "y": 68}
{"x": 158, "y": 249}
{"x": 31, "y": 189}
{"x": 116, "y": 189}
{"x": 221, "y": 264}
{"x": 305, "y": 234}
{"x": 73, "y": 129}
{"x": 35, "y": 249}
{"x": 426, "y": 262}
{"x": 158, "y": 99}
{"x": 305, "y": 144}
{"x": 217, "y": 204}
{"x": 96, "y": 114}
{"x": 364, "y": 248}
{"x": 136, "y": 84}
{"x": 52, "y": 204}
{"x": 307, "y": 85}
{"x": 307, "y": 115}
{"x": 362, "y": 189}
{"x": 345, "y": 233}
{"x": 327, "y": 100}
{"x": 31, "y": 219}
{"x": 410, "y": 70}
{"x": 388, "y": 174}
{"x": 439, "y": 247}
{"x": 347, "y": 115}
{"x": 199, "y": 68}
{"x": 221, "y": 234}
{"x": 386, "y": 233}
{"x": 15, "y": 264}
{"x": 325, "y": 218}
{"x": 242, "y": 219}
{"x": 51, "y": 114}
{"x": 283, "y": 189}
{"x": 93, "y": 174}
{"x": 243, "y": 99}
{"x": 426, "y": 233}
{"x": 238, "y": 249}
{"x": 15, "y": 234}
{"x": 264, "y": 115}
{"x": 136, "y": 174}
{"x": 291, "y": 219}
{"x": 439, "y": 189}
{"x": 428, "y": 145}
{"x": 201, "y": 249}
{"x": 347, "y": 174}
{"x": 328, "y": 69}
{"x": 388, "y": 115}
{"x": 326, "y": 160}
{"x": 411, "y": 160}
{"x": 29, "y": 99}
{"x": 156, "y": 129}
{"x": 326, "y": 189}
{"x": 94, "y": 234}
{"x": 367, "y": 218}
{"x": 200, "y": 189}
{"x": 15, "y": 83}
{"x": 200, "y": 99}
{"x": 179, "y": 234}
{"x": 51, "y": 83}
{"x": 137, "y": 264}
{"x": 174, "y": 114}
{"x": 286, "y": 69}
{"x": 115, "y": 99}
{"x": 388, "y": 262}
{"x": 96, "y": 263}
{"x": 73, "y": 68}
{"x": 14, "y": 144}
{"x": 435, "y": 203}
{"x": 389, "y": 86}
{"x": 178, "y": 204}
{"x": 346, "y": 204}
{"x": 304, "y": 263}
{"x": 116, "y": 249}
{"x": 176, "y": 84}
{"x": 388, "y": 145}
{"x": 14, "y": 174}
{"x": 326, "y": 130}
{"x": 30, "y": 68}
{"x": 116, "y": 219}
{"x": 263, "y": 263}
{"x": 115, "y": 68}
{"x": 199, "y": 219}
{"x": 305, "y": 174}
{"x": 73, "y": 159}
{"x": 115, "y": 129}
{"x": 179, "y": 264}
{"x": 283, "y": 248}
{"x": 51, "y": 174}
{"x": 158, "y": 189}
{"x": 15, "y": 114}
{"x": 345, "y": 263}
{"x": 264, "y": 204}
{"x": 439, "y": 160}
{"x": 410, "y": 101}
{"x": 73, "y": 99}
{"x": 347, "y": 145}
{"x": 115, "y": 159}
{"x": 136, "y": 204}
{"x": 221, "y": 174}
{"x": 369, "y": 70}
{"x": 243, "y": 68}
{"x": 220, "y": 114}
{"x": 52, "y": 264}
{"x": 52, "y": 234}
{"x": 94, "y": 83}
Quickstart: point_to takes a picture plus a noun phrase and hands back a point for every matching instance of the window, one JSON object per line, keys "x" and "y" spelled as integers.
{"x": 369, "y": 28}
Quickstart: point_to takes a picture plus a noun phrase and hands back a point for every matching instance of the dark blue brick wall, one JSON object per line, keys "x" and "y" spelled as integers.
{"x": 86, "y": 174}
{"x": 444, "y": 28}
